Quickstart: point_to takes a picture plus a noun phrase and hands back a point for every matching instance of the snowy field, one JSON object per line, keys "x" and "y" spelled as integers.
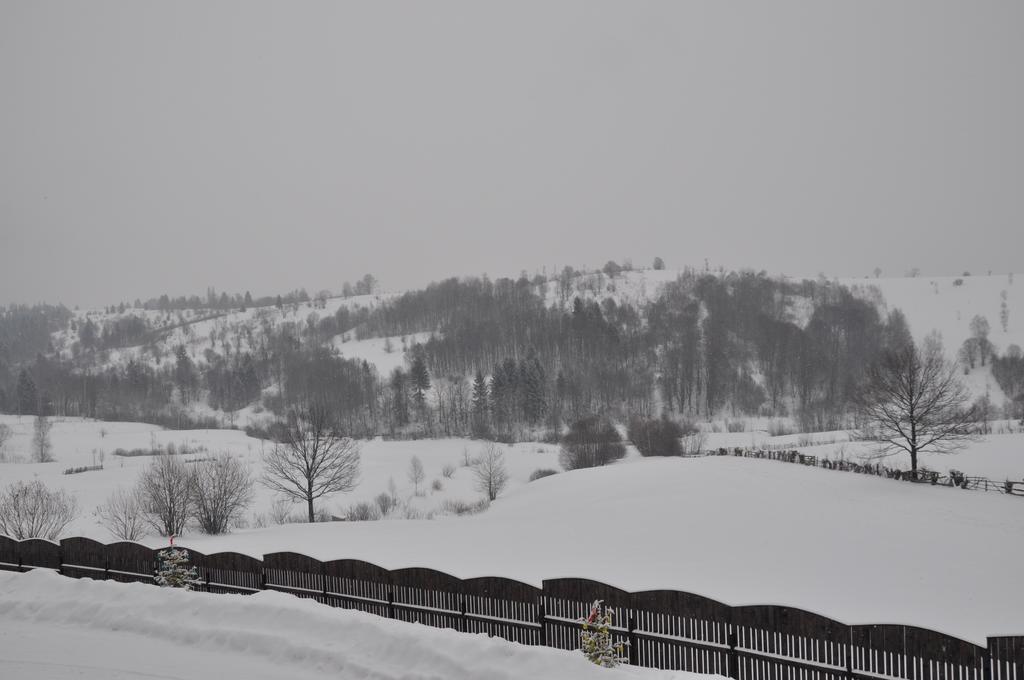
{"x": 56, "y": 628}
{"x": 382, "y": 462}
{"x": 857, "y": 548}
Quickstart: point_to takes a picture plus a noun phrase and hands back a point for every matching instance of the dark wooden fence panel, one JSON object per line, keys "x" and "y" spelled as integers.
{"x": 784, "y": 642}
{"x": 39, "y": 553}
{"x": 567, "y": 600}
{"x": 84, "y": 558}
{"x": 915, "y": 654}
{"x": 295, "y": 574}
{"x": 504, "y": 608}
{"x": 426, "y": 596}
{"x": 354, "y": 584}
{"x": 231, "y": 572}
{"x": 1007, "y": 657}
{"x": 131, "y": 562}
{"x": 663, "y": 629}
{"x": 9, "y": 554}
{"x": 681, "y": 631}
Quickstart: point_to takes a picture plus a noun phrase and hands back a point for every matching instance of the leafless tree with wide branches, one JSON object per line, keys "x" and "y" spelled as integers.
{"x": 914, "y": 402}
{"x": 313, "y": 458}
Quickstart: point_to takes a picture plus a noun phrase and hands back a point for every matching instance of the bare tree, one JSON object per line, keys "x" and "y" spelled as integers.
{"x": 123, "y": 514}
{"x": 222, "y": 492}
{"x": 42, "y": 449}
{"x": 416, "y": 473}
{"x": 166, "y": 488}
{"x": 312, "y": 460}
{"x": 5, "y": 436}
{"x": 30, "y": 510}
{"x": 914, "y": 402}
{"x": 490, "y": 473}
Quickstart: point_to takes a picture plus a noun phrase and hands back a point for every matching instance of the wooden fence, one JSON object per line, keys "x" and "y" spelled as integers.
{"x": 922, "y": 476}
{"x": 662, "y": 628}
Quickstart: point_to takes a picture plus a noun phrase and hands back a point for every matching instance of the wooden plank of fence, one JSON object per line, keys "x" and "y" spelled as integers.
{"x": 84, "y": 558}
{"x": 39, "y": 553}
{"x": 1006, "y": 658}
{"x": 296, "y": 574}
{"x": 131, "y": 562}
{"x": 785, "y": 642}
{"x": 914, "y": 654}
{"x": 9, "y": 554}
{"x": 681, "y": 631}
{"x": 427, "y": 596}
{"x": 355, "y": 584}
{"x": 503, "y": 607}
{"x": 231, "y": 572}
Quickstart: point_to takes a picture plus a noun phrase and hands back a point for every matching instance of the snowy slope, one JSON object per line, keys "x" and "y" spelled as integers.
{"x": 859, "y": 549}
{"x": 936, "y": 303}
{"x": 57, "y": 628}
{"x": 75, "y": 439}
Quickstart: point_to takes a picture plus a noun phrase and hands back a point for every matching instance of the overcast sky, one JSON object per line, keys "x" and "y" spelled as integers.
{"x": 166, "y": 147}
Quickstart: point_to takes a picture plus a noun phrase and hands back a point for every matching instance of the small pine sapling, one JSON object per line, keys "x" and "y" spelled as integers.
{"x": 596, "y": 638}
{"x": 175, "y": 571}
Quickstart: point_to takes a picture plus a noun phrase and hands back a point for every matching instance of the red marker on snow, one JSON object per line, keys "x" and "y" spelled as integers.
{"x": 172, "y": 539}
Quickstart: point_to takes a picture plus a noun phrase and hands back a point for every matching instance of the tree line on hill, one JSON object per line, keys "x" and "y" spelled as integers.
{"x": 501, "y": 360}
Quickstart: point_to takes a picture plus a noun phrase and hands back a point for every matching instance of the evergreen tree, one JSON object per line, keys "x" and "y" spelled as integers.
{"x": 596, "y": 638}
{"x": 87, "y": 334}
{"x": 400, "y": 402}
{"x": 481, "y": 405}
{"x": 28, "y": 401}
{"x": 420, "y": 379}
{"x": 184, "y": 373}
{"x": 534, "y": 390}
{"x": 175, "y": 571}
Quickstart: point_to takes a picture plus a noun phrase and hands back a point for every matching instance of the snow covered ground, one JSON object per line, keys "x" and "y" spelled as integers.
{"x": 57, "y": 628}
{"x": 75, "y": 439}
{"x": 859, "y": 549}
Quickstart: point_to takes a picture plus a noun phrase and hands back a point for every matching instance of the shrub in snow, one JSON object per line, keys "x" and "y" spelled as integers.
{"x": 596, "y": 638}
{"x": 657, "y": 436}
{"x": 30, "y": 510}
{"x": 175, "y": 571}
{"x": 540, "y": 473}
{"x": 590, "y": 442}
{"x": 363, "y": 512}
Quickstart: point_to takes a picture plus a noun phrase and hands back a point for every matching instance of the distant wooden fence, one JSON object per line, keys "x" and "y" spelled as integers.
{"x": 922, "y": 476}
{"x": 663, "y": 628}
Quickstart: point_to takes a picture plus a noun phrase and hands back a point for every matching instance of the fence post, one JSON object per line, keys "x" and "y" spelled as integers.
{"x": 60, "y": 559}
{"x": 391, "y": 604}
{"x": 986, "y": 660}
{"x": 463, "y": 621}
{"x": 634, "y": 651}
{"x": 734, "y": 657}
{"x": 849, "y": 656}
{"x": 323, "y": 581}
{"x": 543, "y": 621}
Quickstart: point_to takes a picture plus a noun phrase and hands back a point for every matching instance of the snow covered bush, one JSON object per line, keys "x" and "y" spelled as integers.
{"x": 30, "y": 510}
{"x": 596, "y": 637}
{"x": 175, "y": 571}
{"x": 591, "y": 442}
{"x": 123, "y": 514}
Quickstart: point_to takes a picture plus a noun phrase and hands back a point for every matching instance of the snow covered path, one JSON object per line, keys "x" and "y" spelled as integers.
{"x": 58, "y": 628}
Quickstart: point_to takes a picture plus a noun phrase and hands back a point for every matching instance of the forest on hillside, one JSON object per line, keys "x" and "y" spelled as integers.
{"x": 501, "y": 359}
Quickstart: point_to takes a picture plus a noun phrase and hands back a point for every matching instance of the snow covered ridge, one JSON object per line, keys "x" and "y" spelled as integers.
{"x": 660, "y": 629}
{"x": 58, "y": 628}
